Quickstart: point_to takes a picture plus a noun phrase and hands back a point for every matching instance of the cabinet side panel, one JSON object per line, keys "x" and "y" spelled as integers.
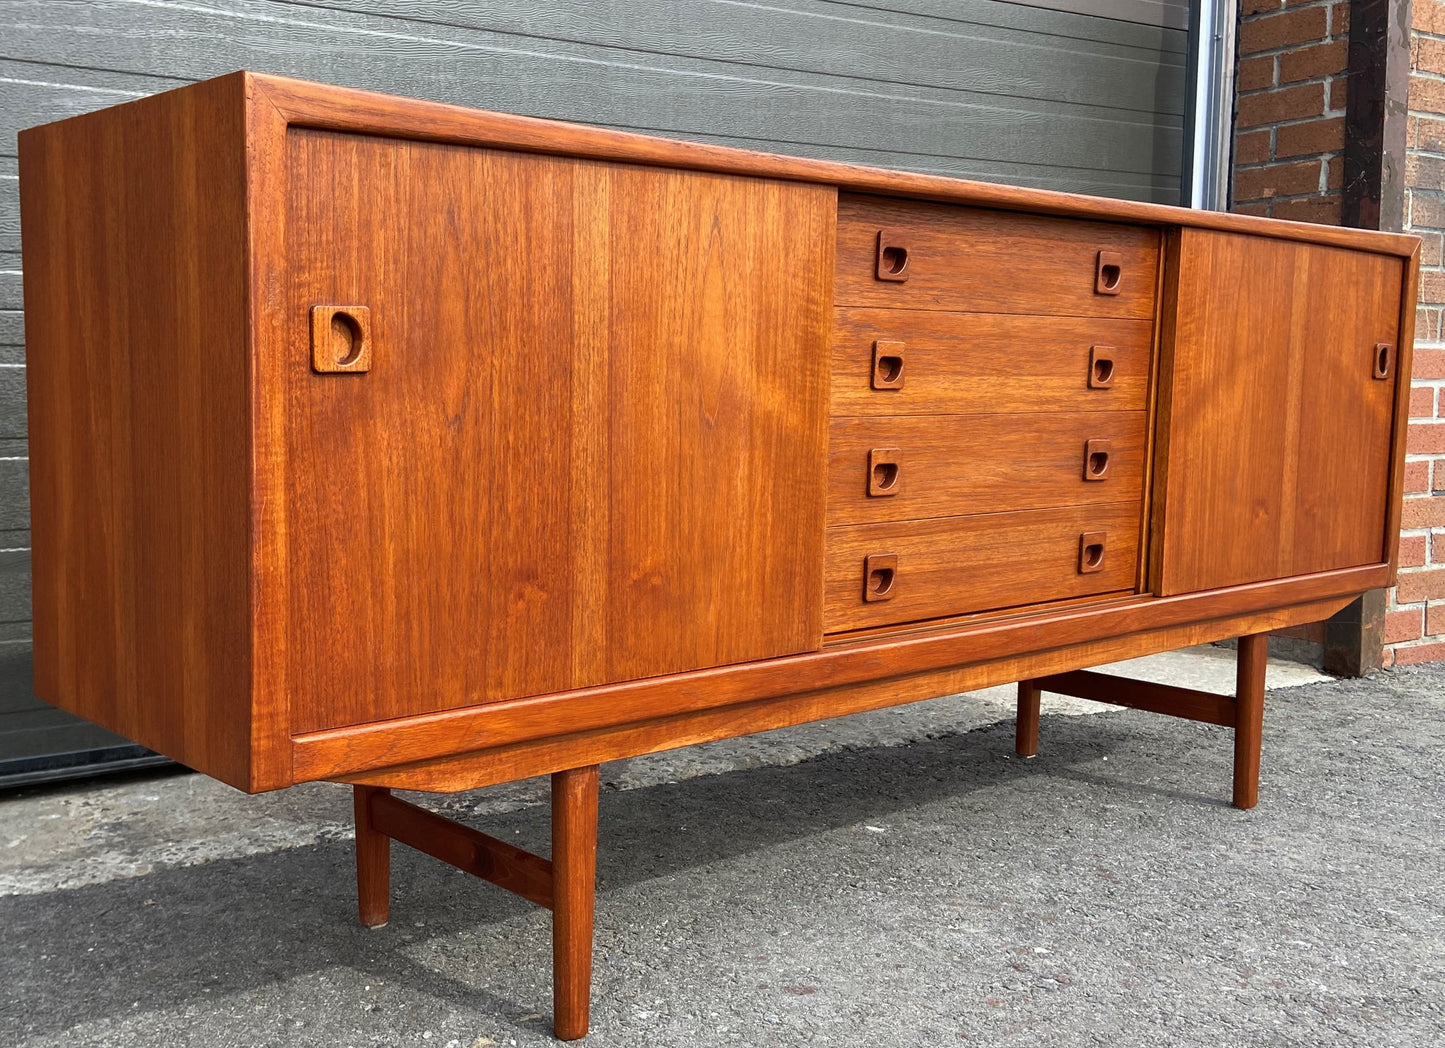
{"x": 136, "y": 335}
{"x": 591, "y": 443}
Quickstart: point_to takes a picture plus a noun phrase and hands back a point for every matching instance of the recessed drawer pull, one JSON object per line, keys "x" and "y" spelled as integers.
{"x": 1384, "y": 359}
{"x": 884, "y": 472}
{"x": 1091, "y": 552}
{"x": 880, "y": 573}
{"x": 1109, "y": 273}
{"x": 888, "y": 364}
{"x": 1096, "y": 459}
{"x": 1101, "y": 367}
{"x": 340, "y": 339}
{"x": 892, "y": 257}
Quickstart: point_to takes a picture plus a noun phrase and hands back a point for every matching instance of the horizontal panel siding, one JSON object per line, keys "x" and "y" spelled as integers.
{"x": 966, "y": 88}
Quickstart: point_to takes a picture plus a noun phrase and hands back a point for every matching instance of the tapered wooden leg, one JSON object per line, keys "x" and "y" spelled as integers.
{"x": 1026, "y": 743}
{"x": 373, "y": 861}
{"x": 1249, "y": 717}
{"x": 574, "y": 869}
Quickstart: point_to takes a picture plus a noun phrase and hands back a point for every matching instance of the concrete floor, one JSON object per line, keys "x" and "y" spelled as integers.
{"x": 895, "y": 878}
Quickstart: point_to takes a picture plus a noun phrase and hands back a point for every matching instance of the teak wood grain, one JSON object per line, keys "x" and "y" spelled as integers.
{"x": 590, "y": 445}
{"x": 979, "y": 363}
{"x": 954, "y": 565}
{"x": 389, "y": 442}
{"x": 302, "y": 103}
{"x": 991, "y": 262}
{"x": 884, "y": 655}
{"x": 964, "y": 464}
{"x": 191, "y": 516}
{"x": 509, "y": 761}
{"x": 136, "y": 318}
{"x": 1275, "y": 437}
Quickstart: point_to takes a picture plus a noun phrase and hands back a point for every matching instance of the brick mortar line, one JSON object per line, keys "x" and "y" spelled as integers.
{"x": 1286, "y": 86}
{"x": 1292, "y": 160}
{"x": 1289, "y": 49}
{"x": 1328, "y": 114}
{"x": 1285, "y": 161}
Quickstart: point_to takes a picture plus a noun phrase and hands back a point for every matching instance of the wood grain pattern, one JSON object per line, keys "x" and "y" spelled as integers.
{"x": 981, "y": 363}
{"x": 369, "y": 112}
{"x": 965, "y": 464}
{"x": 991, "y": 262}
{"x": 929, "y": 647}
{"x": 392, "y": 504}
{"x": 483, "y": 856}
{"x": 590, "y": 445}
{"x": 373, "y": 860}
{"x": 954, "y": 565}
{"x": 1172, "y": 701}
{"x": 137, "y": 322}
{"x": 504, "y": 763}
{"x": 1026, "y": 729}
{"x": 1249, "y": 711}
{"x": 1276, "y": 459}
{"x": 574, "y": 866}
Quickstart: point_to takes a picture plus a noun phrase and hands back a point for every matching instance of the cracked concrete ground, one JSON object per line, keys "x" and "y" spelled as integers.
{"x": 895, "y": 878}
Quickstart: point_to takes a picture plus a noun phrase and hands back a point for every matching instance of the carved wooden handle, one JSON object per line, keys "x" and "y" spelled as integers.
{"x": 888, "y": 364}
{"x": 880, "y": 575}
{"x": 1108, "y": 273}
{"x": 884, "y": 471}
{"x": 892, "y": 257}
{"x": 1091, "y": 552}
{"x": 1101, "y": 367}
{"x": 1096, "y": 459}
{"x": 1384, "y": 359}
{"x": 340, "y": 339}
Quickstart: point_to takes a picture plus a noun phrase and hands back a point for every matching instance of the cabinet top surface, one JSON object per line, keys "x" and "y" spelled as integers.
{"x": 306, "y": 104}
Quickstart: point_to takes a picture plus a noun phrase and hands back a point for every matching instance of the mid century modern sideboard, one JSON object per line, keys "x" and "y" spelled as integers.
{"x": 408, "y": 446}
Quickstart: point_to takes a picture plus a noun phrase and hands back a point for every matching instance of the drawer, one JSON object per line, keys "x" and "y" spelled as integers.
{"x": 923, "y": 466}
{"x": 957, "y": 565}
{"x": 942, "y": 256}
{"x": 917, "y": 362}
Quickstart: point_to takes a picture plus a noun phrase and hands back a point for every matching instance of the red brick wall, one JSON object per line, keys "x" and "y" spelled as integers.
{"x": 1415, "y": 619}
{"x": 1289, "y": 130}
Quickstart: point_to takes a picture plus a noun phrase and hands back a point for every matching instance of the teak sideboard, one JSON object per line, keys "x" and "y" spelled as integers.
{"x": 409, "y": 446}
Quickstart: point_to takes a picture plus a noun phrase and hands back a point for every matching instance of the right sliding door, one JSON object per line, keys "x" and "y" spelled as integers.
{"x": 1276, "y": 401}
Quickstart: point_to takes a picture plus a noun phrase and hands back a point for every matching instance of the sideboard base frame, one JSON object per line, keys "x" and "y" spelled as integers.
{"x": 566, "y": 884}
{"x": 1244, "y": 711}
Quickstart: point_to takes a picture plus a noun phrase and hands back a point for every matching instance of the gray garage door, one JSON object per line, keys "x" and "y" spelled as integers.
{"x": 1088, "y": 98}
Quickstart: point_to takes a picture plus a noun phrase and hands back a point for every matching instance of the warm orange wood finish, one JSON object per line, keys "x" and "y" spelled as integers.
{"x": 512, "y": 501}
{"x": 565, "y": 884}
{"x": 991, "y": 261}
{"x": 1249, "y": 717}
{"x": 1275, "y": 443}
{"x": 1026, "y": 728}
{"x": 574, "y": 871}
{"x": 960, "y": 464}
{"x": 373, "y": 860}
{"x": 367, "y": 561}
{"x": 1171, "y": 701}
{"x": 136, "y": 350}
{"x": 983, "y": 363}
{"x": 503, "y": 864}
{"x": 394, "y": 443}
{"x": 954, "y": 565}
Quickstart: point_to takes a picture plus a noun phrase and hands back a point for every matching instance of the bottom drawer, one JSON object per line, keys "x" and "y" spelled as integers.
{"x": 906, "y": 571}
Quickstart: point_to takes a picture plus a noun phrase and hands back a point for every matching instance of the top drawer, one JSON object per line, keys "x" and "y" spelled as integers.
{"x": 913, "y": 255}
